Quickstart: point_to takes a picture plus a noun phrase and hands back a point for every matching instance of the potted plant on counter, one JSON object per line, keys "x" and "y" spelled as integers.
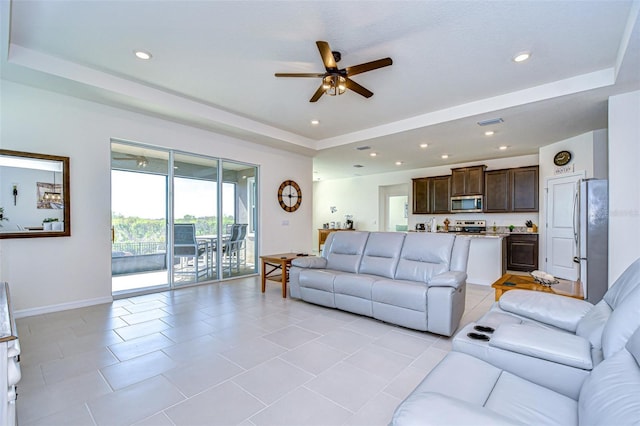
{"x": 47, "y": 223}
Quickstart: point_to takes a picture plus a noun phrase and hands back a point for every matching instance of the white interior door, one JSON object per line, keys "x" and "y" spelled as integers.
{"x": 561, "y": 221}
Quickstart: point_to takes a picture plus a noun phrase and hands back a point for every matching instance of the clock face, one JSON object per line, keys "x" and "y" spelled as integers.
{"x": 289, "y": 196}
{"x": 562, "y": 158}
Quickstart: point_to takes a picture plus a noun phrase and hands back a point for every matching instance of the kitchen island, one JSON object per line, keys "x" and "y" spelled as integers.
{"x": 487, "y": 258}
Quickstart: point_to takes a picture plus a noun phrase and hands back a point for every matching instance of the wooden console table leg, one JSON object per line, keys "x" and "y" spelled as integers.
{"x": 264, "y": 275}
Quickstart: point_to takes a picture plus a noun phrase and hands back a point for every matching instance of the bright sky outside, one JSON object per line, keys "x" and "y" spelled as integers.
{"x": 143, "y": 195}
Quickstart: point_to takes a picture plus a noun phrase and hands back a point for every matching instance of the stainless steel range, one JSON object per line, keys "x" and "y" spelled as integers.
{"x": 471, "y": 226}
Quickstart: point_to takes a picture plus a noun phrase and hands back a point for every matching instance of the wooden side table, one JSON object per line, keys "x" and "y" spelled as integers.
{"x": 526, "y": 282}
{"x": 275, "y": 267}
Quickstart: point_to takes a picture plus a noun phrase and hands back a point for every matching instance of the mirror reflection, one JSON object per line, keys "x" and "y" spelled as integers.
{"x": 34, "y": 195}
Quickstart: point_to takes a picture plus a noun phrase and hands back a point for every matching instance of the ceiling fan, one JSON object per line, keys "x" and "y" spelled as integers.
{"x": 141, "y": 160}
{"x": 336, "y": 81}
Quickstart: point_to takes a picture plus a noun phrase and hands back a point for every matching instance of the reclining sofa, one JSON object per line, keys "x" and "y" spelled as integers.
{"x": 415, "y": 280}
{"x": 546, "y": 359}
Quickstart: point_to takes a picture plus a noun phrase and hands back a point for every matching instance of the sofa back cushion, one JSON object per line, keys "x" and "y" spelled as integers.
{"x": 622, "y": 322}
{"x": 424, "y": 255}
{"x": 381, "y": 254}
{"x": 609, "y": 396}
{"x": 625, "y": 284}
{"x": 344, "y": 249}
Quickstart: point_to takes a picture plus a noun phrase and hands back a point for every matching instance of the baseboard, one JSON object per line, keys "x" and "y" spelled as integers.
{"x": 22, "y": 313}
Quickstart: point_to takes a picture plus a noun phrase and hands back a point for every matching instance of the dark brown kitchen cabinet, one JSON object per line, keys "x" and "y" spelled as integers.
{"x": 440, "y": 188}
{"x": 511, "y": 190}
{"x": 496, "y": 188}
{"x": 431, "y": 195}
{"x": 524, "y": 192}
{"x": 421, "y": 196}
{"x": 467, "y": 181}
{"x": 522, "y": 252}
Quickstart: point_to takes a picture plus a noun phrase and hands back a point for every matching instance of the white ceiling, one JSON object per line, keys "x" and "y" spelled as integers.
{"x": 213, "y": 67}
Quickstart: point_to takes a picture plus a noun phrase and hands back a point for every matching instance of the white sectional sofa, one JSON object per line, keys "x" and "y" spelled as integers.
{"x": 416, "y": 280}
{"x": 549, "y": 360}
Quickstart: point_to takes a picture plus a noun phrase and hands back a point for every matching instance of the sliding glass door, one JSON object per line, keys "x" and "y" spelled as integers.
{"x": 180, "y": 218}
{"x": 195, "y": 203}
{"x": 139, "y": 188}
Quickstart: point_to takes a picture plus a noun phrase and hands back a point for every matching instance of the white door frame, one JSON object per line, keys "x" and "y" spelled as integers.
{"x": 384, "y": 193}
{"x": 569, "y": 270}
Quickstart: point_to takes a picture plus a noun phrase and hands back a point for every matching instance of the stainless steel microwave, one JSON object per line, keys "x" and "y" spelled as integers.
{"x": 468, "y": 203}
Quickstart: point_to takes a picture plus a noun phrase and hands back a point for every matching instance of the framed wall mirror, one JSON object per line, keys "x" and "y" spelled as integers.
{"x": 34, "y": 195}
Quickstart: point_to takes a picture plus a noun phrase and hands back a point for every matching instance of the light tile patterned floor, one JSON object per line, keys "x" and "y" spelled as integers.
{"x": 221, "y": 354}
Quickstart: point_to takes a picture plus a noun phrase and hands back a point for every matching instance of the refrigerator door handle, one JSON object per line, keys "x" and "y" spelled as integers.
{"x": 575, "y": 212}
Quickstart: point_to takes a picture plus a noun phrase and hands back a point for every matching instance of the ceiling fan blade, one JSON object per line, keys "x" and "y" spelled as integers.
{"x": 318, "y": 93}
{"x": 327, "y": 55}
{"x": 357, "y": 88}
{"x": 286, "y": 74}
{"x": 369, "y": 66}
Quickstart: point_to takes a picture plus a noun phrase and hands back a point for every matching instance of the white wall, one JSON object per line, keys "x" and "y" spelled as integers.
{"x": 56, "y": 273}
{"x": 359, "y": 196}
{"x": 624, "y": 182}
{"x": 588, "y": 154}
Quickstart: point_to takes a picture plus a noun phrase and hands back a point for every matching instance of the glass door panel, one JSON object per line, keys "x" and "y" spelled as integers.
{"x": 138, "y": 218}
{"x": 239, "y": 219}
{"x": 195, "y": 214}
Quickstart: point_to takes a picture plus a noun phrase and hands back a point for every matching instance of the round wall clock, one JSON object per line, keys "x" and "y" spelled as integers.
{"x": 289, "y": 196}
{"x": 562, "y": 158}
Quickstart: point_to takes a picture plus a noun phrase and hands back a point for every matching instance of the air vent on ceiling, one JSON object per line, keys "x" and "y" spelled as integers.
{"x": 363, "y": 148}
{"x": 490, "y": 121}
{"x": 358, "y": 166}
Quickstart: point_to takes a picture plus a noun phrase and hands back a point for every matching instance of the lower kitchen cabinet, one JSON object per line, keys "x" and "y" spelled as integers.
{"x": 522, "y": 252}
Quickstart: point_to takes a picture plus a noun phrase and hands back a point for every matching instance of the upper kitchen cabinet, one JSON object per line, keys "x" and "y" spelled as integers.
{"x": 440, "y": 194}
{"x": 511, "y": 190}
{"x": 496, "y": 185}
{"x": 421, "y": 196}
{"x": 524, "y": 184}
{"x": 431, "y": 195}
{"x": 467, "y": 181}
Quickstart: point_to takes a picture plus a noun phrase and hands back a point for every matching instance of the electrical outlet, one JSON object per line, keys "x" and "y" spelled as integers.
{"x": 285, "y": 223}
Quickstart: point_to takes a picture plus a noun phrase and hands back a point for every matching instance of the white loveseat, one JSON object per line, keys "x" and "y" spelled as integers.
{"x": 416, "y": 280}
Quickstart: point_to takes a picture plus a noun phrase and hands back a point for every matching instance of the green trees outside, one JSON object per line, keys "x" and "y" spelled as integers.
{"x": 129, "y": 230}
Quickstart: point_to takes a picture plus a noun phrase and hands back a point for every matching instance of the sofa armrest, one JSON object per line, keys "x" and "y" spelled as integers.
{"x": 429, "y": 408}
{"x": 448, "y": 279}
{"x": 310, "y": 262}
{"x": 550, "y": 345}
{"x": 559, "y": 311}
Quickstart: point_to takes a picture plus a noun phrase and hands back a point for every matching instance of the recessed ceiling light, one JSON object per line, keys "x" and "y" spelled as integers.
{"x": 142, "y": 54}
{"x": 315, "y": 122}
{"x": 445, "y": 156}
{"x": 521, "y": 57}
{"x": 398, "y": 163}
{"x": 502, "y": 148}
{"x": 489, "y": 133}
{"x": 424, "y": 145}
{"x": 373, "y": 154}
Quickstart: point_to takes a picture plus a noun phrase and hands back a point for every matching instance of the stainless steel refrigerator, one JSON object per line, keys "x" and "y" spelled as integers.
{"x": 591, "y": 232}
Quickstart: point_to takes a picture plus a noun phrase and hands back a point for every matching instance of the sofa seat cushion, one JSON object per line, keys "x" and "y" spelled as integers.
{"x": 358, "y": 285}
{"x": 504, "y": 397}
{"x": 531, "y": 404}
{"x": 404, "y": 294}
